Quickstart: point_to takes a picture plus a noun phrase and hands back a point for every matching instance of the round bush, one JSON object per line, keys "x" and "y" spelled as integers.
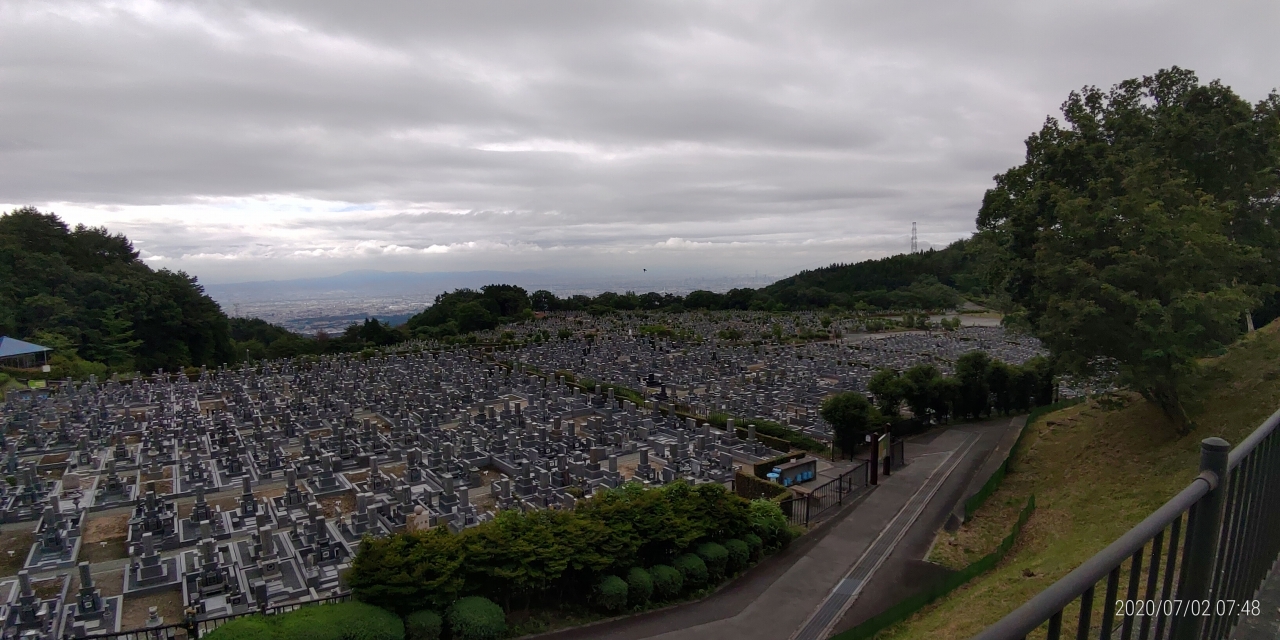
{"x": 345, "y": 621}
{"x": 667, "y": 581}
{"x": 476, "y": 618}
{"x": 716, "y": 558}
{"x": 423, "y": 625}
{"x": 611, "y": 593}
{"x": 639, "y": 586}
{"x": 693, "y": 569}
{"x": 768, "y": 522}
{"x": 755, "y": 544}
{"x": 739, "y": 555}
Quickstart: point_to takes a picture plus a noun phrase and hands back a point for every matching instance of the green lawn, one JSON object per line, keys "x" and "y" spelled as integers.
{"x": 1096, "y": 471}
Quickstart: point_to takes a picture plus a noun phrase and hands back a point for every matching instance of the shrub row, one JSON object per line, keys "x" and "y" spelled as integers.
{"x": 710, "y": 564}
{"x": 548, "y": 557}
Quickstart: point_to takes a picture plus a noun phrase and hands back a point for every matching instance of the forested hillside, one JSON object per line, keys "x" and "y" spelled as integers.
{"x": 84, "y": 292}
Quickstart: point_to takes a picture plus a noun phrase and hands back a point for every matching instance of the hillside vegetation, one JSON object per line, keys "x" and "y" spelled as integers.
{"x": 1096, "y": 470}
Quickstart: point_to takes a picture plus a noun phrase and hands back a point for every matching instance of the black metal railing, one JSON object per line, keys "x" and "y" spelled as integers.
{"x": 1186, "y": 572}
{"x": 806, "y": 508}
{"x": 192, "y": 629}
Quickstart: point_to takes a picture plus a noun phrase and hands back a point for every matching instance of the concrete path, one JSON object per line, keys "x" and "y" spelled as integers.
{"x": 905, "y": 572}
{"x": 1266, "y": 625}
{"x": 777, "y": 598}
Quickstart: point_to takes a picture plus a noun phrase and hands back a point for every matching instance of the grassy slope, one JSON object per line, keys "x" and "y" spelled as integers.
{"x": 1095, "y": 472}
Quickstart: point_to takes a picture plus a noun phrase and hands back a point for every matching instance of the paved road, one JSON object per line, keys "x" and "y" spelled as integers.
{"x": 905, "y": 573}
{"x": 779, "y": 596}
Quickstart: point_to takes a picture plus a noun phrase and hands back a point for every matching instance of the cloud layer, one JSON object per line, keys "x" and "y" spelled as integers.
{"x": 245, "y": 141}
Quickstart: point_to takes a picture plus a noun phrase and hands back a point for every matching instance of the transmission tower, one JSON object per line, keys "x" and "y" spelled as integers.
{"x": 914, "y": 248}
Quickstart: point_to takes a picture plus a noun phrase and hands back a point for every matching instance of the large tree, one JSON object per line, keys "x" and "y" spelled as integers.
{"x": 1141, "y": 230}
{"x": 850, "y": 415}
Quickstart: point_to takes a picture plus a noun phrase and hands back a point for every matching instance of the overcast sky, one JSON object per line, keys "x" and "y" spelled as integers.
{"x": 253, "y": 141}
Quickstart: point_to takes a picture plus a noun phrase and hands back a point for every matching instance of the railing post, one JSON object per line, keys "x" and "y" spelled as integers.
{"x": 1202, "y": 543}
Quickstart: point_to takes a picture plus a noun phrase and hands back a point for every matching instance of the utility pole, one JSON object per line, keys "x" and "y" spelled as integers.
{"x": 914, "y": 247}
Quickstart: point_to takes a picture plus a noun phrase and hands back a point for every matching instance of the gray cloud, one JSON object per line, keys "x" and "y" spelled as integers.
{"x": 260, "y": 140}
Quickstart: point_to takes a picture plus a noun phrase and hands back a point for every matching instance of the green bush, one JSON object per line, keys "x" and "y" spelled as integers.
{"x": 754, "y": 544}
{"x": 246, "y": 628}
{"x": 639, "y": 586}
{"x": 739, "y": 555}
{"x": 605, "y": 534}
{"x": 768, "y": 522}
{"x": 423, "y": 625}
{"x": 693, "y": 569}
{"x": 667, "y": 581}
{"x": 344, "y": 621}
{"x": 476, "y": 618}
{"x": 611, "y": 593}
{"x": 716, "y": 557}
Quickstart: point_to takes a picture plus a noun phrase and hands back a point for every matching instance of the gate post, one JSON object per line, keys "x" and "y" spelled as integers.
{"x": 1202, "y": 543}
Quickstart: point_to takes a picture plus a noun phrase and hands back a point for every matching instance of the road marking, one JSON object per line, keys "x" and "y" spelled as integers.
{"x": 820, "y": 622}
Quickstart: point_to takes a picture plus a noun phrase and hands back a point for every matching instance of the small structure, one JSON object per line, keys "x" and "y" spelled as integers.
{"x": 795, "y": 472}
{"x": 24, "y": 355}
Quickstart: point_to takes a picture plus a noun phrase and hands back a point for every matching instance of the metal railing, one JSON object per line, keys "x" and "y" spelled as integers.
{"x": 805, "y": 508}
{"x": 1186, "y": 572}
{"x": 191, "y": 629}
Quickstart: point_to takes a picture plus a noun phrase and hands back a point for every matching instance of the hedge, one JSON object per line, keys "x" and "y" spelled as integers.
{"x": 476, "y": 618}
{"x": 693, "y": 569}
{"x": 423, "y": 625}
{"x": 906, "y": 608}
{"x": 611, "y": 593}
{"x": 739, "y": 555}
{"x": 562, "y": 555}
{"x": 639, "y": 586}
{"x": 751, "y": 487}
{"x": 716, "y": 558}
{"x": 754, "y": 544}
{"x": 667, "y": 581}
{"x": 343, "y": 621}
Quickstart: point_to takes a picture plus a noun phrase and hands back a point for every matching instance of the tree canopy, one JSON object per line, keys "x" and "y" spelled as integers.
{"x": 1141, "y": 230}
{"x": 87, "y": 290}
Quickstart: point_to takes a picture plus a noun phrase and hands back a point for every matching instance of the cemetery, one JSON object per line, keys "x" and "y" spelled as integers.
{"x": 217, "y": 492}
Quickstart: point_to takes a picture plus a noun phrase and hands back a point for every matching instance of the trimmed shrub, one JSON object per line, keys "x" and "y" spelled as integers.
{"x": 246, "y": 628}
{"x": 739, "y": 555}
{"x": 476, "y": 618}
{"x": 667, "y": 581}
{"x": 754, "y": 544}
{"x": 768, "y": 522}
{"x": 611, "y": 593}
{"x": 344, "y": 621}
{"x": 639, "y": 586}
{"x": 693, "y": 569}
{"x": 423, "y": 625}
{"x": 716, "y": 557}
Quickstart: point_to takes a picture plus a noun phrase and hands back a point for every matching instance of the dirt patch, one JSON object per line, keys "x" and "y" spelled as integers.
{"x": 166, "y": 473}
{"x": 14, "y": 545}
{"x": 101, "y": 528}
{"x": 330, "y": 506}
{"x": 358, "y": 476}
{"x": 111, "y": 583}
{"x": 55, "y": 458}
{"x": 104, "y": 550}
{"x": 48, "y": 587}
{"x": 396, "y": 469}
{"x": 168, "y": 605}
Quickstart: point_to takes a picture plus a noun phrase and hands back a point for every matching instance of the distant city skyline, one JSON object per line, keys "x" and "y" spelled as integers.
{"x": 246, "y": 141}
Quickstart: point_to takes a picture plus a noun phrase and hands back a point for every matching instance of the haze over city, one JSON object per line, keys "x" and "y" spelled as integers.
{"x": 266, "y": 141}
